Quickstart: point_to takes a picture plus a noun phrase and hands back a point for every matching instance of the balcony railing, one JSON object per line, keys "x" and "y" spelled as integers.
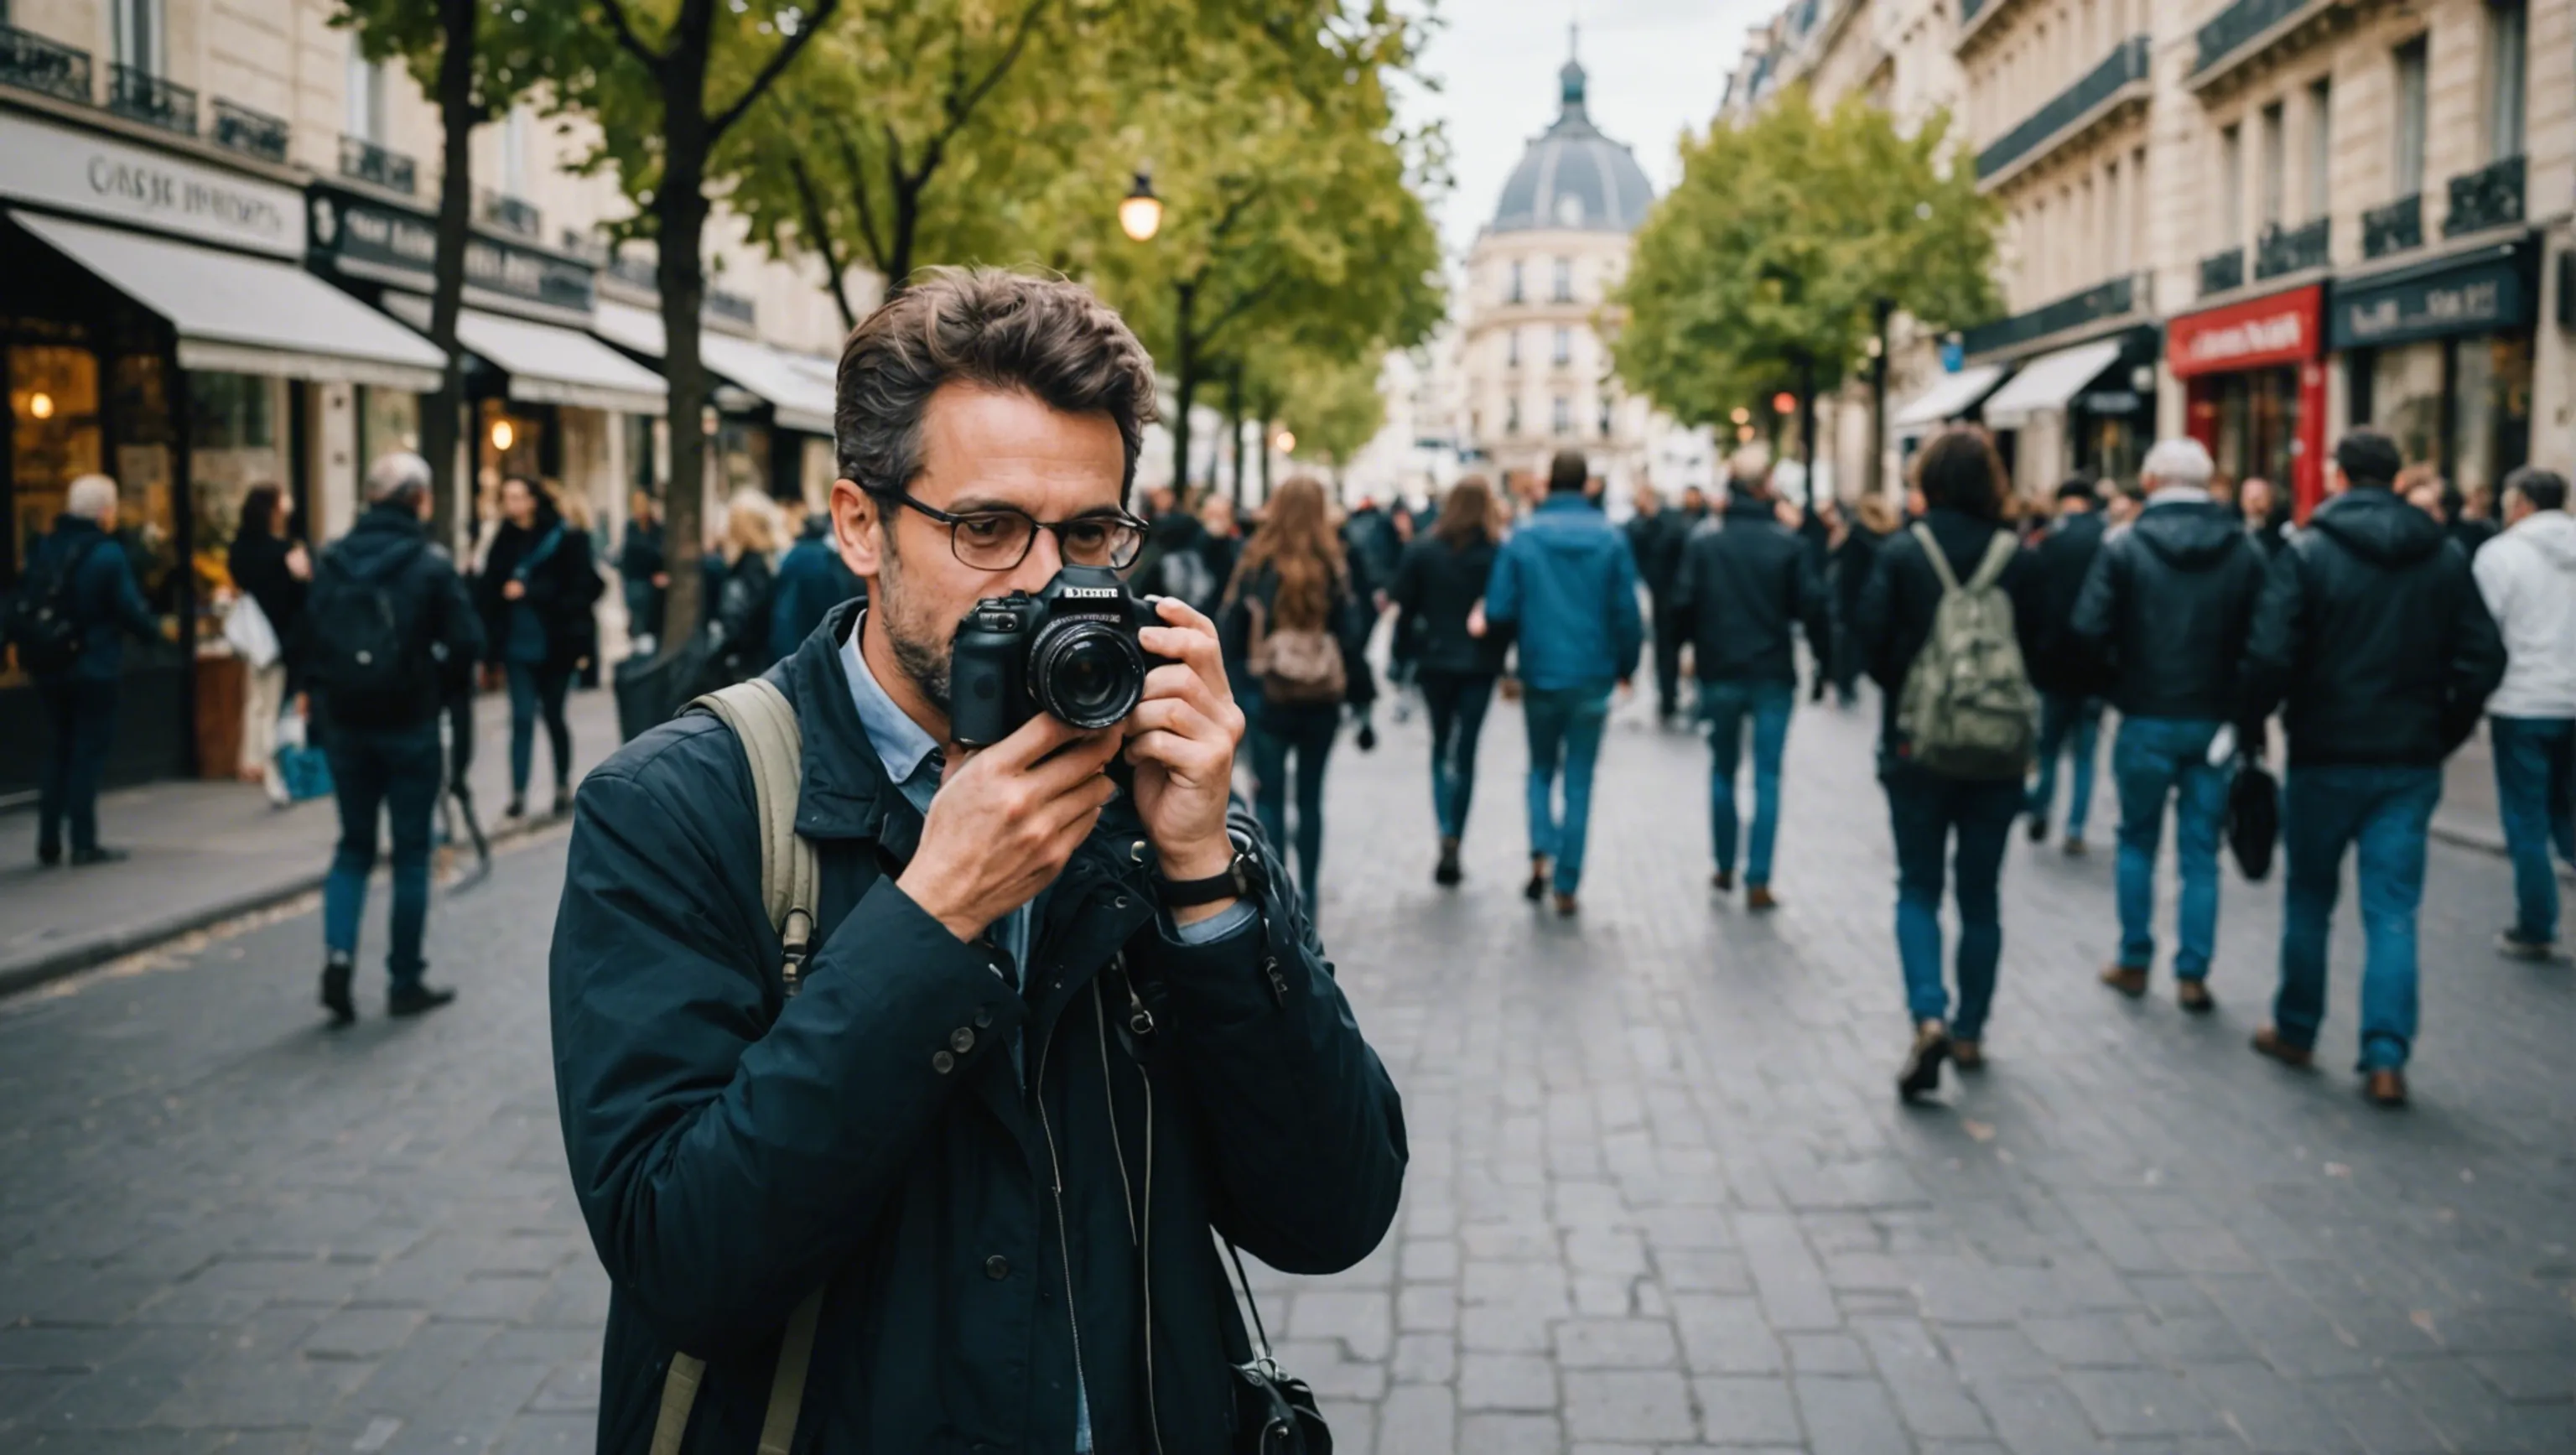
{"x": 635, "y": 271}
{"x": 2489, "y": 197}
{"x": 2243, "y": 23}
{"x": 252, "y": 133}
{"x": 2126, "y": 66}
{"x": 30, "y": 62}
{"x": 2114, "y": 299}
{"x": 150, "y": 99}
{"x": 2395, "y": 228}
{"x": 2293, "y": 249}
{"x": 733, "y": 306}
{"x": 367, "y": 162}
{"x": 2222, "y": 272}
{"x": 508, "y": 213}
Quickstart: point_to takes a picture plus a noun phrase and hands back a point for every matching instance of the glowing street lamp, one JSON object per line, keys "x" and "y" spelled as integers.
{"x": 1743, "y": 415}
{"x": 1784, "y": 402}
{"x": 502, "y": 434}
{"x": 1140, "y": 212}
{"x": 1285, "y": 442}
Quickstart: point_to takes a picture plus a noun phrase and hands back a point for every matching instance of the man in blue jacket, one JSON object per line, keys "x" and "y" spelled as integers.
{"x": 1566, "y": 581}
{"x": 80, "y": 701}
{"x": 811, "y": 581}
{"x": 1051, "y": 1032}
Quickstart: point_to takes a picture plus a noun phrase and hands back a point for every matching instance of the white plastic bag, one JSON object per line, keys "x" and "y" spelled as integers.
{"x": 247, "y": 628}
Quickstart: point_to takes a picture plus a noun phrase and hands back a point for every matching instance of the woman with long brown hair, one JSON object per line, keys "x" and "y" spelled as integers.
{"x": 1291, "y": 620}
{"x": 1437, "y": 586}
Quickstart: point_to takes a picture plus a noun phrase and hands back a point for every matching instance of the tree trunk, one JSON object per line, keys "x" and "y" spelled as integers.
{"x": 440, "y": 425}
{"x": 1185, "y": 386}
{"x": 1268, "y": 433}
{"x": 681, "y": 208}
{"x": 1807, "y": 422}
{"x": 1876, "y": 474}
{"x": 1234, "y": 426}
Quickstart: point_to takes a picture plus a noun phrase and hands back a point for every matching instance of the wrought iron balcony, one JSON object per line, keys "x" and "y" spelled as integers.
{"x": 508, "y": 213}
{"x": 2489, "y": 197}
{"x": 733, "y": 306}
{"x": 148, "y": 98}
{"x": 367, "y": 162}
{"x": 2125, "y": 67}
{"x": 30, "y": 62}
{"x": 635, "y": 271}
{"x": 2293, "y": 249}
{"x": 2114, "y": 299}
{"x": 252, "y": 133}
{"x": 2239, "y": 25}
{"x": 2222, "y": 272}
{"x": 2395, "y": 228}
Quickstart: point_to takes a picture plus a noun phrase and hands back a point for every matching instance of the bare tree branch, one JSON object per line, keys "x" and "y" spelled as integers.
{"x": 819, "y": 234}
{"x": 857, "y": 170}
{"x": 779, "y": 60}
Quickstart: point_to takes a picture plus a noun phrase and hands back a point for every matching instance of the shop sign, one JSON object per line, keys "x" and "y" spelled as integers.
{"x": 2260, "y": 332}
{"x": 355, "y": 235}
{"x": 2490, "y": 296}
{"x": 104, "y": 177}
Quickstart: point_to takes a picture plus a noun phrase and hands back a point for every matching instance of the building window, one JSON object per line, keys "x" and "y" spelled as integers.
{"x": 1561, "y": 349}
{"x": 2506, "y": 68}
{"x": 514, "y": 152}
{"x": 2231, "y": 186}
{"x": 1564, "y": 280}
{"x": 1512, "y": 348}
{"x": 2115, "y": 222}
{"x": 1561, "y": 419}
{"x": 2320, "y": 147}
{"x": 141, "y": 38}
{"x": 1513, "y": 294}
{"x": 2413, "y": 103}
{"x": 2274, "y": 160}
{"x": 366, "y": 119}
{"x": 1605, "y": 419}
{"x": 1511, "y": 416}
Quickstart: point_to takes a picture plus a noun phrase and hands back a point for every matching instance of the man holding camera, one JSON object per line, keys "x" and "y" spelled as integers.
{"x": 1053, "y": 1029}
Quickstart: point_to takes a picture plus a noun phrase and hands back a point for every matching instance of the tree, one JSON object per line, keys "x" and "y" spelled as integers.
{"x": 1334, "y": 407}
{"x": 1766, "y": 266}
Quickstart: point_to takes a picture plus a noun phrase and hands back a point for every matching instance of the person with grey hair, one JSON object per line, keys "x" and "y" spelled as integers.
{"x": 2167, "y": 608}
{"x": 2528, "y": 577}
{"x": 388, "y": 631}
{"x": 76, "y": 602}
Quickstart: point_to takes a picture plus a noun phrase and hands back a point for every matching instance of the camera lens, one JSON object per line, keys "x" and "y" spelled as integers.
{"x": 1087, "y": 673}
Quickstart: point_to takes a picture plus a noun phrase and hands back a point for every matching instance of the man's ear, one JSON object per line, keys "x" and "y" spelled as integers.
{"x": 858, "y": 529}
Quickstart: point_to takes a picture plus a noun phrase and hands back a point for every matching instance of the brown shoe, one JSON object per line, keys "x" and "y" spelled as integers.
{"x": 1723, "y": 881}
{"x": 1759, "y": 896}
{"x": 2268, "y": 1042}
{"x": 1968, "y": 1055}
{"x": 2386, "y": 1087}
{"x": 1921, "y": 1072}
{"x": 2129, "y": 980}
{"x": 1565, "y": 906}
{"x": 2074, "y": 847}
{"x": 2194, "y": 996}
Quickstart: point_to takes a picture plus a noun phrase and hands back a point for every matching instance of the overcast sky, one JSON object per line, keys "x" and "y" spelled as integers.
{"x": 1654, "y": 66}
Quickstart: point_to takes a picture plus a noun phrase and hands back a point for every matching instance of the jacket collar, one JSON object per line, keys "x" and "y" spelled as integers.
{"x": 1566, "y": 502}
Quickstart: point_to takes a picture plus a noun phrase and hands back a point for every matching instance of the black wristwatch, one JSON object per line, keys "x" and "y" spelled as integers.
{"x": 1234, "y": 883}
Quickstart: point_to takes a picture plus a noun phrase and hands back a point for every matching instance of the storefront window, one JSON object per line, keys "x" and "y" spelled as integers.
{"x": 2406, "y": 398}
{"x": 646, "y": 464}
{"x": 2257, "y": 423}
{"x": 742, "y": 452}
{"x": 236, "y": 442}
{"x": 146, "y": 445}
{"x": 2490, "y": 410}
{"x": 53, "y": 402}
{"x": 388, "y": 420}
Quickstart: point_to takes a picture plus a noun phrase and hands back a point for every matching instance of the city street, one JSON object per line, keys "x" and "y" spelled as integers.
{"x": 1662, "y": 1196}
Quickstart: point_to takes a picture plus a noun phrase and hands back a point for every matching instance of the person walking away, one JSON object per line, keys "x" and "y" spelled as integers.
{"x": 272, "y": 571}
{"x": 2065, "y": 671}
{"x": 738, "y": 622}
{"x": 1220, "y": 547}
{"x": 1745, "y": 583}
{"x": 810, "y": 581}
{"x": 535, "y": 597}
{"x": 2527, "y": 576}
{"x": 386, "y": 618}
{"x": 2265, "y": 518}
{"x": 836, "y": 1199}
{"x": 2168, "y": 607}
{"x": 1437, "y": 586}
{"x": 1854, "y": 557}
{"x": 77, "y": 601}
{"x": 2373, "y": 642}
{"x": 1950, "y": 616}
{"x": 1656, "y": 534}
{"x": 644, "y": 572}
{"x": 1566, "y": 585}
{"x": 1176, "y": 564}
{"x": 1299, "y": 629}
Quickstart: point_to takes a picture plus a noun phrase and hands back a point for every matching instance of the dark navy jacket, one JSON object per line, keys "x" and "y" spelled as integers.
{"x": 105, "y": 599}
{"x": 732, "y": 1149}
{"x": 1567, "y": 584}
{"x": 811, "y": 581}
{"x": 1745, "y": 582}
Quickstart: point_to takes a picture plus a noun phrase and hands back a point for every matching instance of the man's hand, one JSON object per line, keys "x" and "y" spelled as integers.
{"x": 1005, "y": 822}
{"x": 1182, "y": 739}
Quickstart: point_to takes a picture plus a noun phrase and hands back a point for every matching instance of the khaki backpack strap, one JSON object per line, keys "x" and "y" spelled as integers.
{"x": 1939, "y": 558}
{"x": 679, "y": 1392}
{"x": 787, "y": 1390}
{"x": 2000, "y": 550}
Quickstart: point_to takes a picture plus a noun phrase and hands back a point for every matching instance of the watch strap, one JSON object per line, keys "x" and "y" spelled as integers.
{"x": 1185, "y": 893}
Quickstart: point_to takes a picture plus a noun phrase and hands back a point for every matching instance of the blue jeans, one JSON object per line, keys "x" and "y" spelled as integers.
{"x": 1725, "y": 706}
{"x": 1307, "y": 731}
{"x": 397, "y": 769}
{"x": 1928, "y": 812}
{"x": 2066, "y": 723}
{"x": 2535, "y": 770}
{"x": 1457, "y": 701}
{"x": 537, "y": 688}
{"x": 80, "y": 724}
{"x": 2158, "y": 759}
{"x": 2383, "y": 814}
{"x": 1565, "y": 726}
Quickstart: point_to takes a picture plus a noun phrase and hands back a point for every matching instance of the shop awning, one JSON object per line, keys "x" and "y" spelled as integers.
{"x": 547, "y": 364}
{"x": 1950, "y": 397}
{"x": 246, "y": 315}
{"x": 797, "y": 399}
{"x": 2048, "y": 381}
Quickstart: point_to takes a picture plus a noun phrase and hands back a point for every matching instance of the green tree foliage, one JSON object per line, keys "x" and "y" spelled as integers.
{"x": 1762, "y": 269}
{"x": 1332, "y": 405}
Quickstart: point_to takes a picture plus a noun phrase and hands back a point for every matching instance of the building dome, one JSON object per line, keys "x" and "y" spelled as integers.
{"x": 1572, "y": 177}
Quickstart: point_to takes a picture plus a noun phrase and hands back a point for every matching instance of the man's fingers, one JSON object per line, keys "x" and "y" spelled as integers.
{"x": 1176, "y": 715}
{"x": 1042, "y": 734}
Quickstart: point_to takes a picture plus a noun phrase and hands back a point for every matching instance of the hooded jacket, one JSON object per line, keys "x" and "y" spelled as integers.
{"x": 1566, "y": 583}
{"x": 2167, "y": 609}
{"x": 1745, "y": 582}
{"x": 436, "y": 621}
{"x": 106, "y": 603}
{"x": 2061, "y": 561}
{"x": 2371, "y": 638}
{"x": 732, "y": 1150}
{"x": 2528, "y": 579}
{"x": 810, "y": 581}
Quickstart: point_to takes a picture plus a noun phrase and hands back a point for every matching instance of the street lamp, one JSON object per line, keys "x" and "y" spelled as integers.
{"x": 1742, "y": 415}
{"x": 41, "y": 404}
{"x": 1285, "y": 442}
{"x": 502, "y": 434}
{"x": 1140, "y": 212}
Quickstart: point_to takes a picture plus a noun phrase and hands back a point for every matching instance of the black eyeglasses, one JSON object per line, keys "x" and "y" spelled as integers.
{"x": 999, "y": 539}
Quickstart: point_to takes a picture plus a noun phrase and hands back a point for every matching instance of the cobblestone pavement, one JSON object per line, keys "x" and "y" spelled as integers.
{"x": 1662, "y": 1196}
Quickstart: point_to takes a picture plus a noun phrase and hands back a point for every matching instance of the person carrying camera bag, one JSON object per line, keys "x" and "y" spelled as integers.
{"x": 935, "y": 1161}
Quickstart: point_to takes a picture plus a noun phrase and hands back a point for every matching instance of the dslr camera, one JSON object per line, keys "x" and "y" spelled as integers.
{"x": 1071, "y": 650}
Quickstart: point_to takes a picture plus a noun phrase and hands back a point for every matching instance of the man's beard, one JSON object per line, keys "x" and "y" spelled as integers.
{"x": 922, "y": 654}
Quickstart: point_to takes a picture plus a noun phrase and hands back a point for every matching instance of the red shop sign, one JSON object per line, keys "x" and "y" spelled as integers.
{"x": 2285, "y": 328}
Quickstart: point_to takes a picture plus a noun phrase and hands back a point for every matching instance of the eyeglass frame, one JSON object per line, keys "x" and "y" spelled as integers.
{"x": 1056, "y": 528}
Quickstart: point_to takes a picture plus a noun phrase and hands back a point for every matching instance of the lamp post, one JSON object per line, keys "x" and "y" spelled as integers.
{"x": 1140, "y": 212}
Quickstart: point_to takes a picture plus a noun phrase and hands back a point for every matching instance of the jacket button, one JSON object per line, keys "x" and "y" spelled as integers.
{"x": 942, "y": 1062}
{"x": 961, "y": 1040}
{"x": 983, "y": 1016}
{"x": 997, "y": 1268}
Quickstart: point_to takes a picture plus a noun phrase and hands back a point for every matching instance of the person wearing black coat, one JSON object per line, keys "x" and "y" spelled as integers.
{"x": 2064, "y": 670}
{"x": 1849, "y": 564}
{"x": 1656, "y": 536}
{"x": 105, "y": 603}
{"x": 1935, "y": 817}
{"x": 2167, "y": 610}
{"x": 1438, "y": 586}
{"x": 644, "y": 569}
{"x": 2373, "y": 641}
{"x": 1747, "y": 583}
{"x": 538, "y": 584}
{"x": 272, "y": 571}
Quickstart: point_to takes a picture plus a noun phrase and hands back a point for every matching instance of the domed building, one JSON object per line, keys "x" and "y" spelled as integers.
{"x": 1537, "y": 374}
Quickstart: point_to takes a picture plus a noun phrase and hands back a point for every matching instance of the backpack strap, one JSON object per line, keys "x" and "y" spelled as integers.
{"x": 1999, "y": 553}
{"x": 764, "y": 722}
{"x": 1939, "y": 558}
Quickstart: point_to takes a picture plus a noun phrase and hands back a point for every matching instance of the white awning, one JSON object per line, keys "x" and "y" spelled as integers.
{"x": 547, "y": 364}
{"x": 248, "y": 315}
{"x": 797, "y": 398}
{"x": 1951, "y": 396}
{"x": 2047, "y": 382}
